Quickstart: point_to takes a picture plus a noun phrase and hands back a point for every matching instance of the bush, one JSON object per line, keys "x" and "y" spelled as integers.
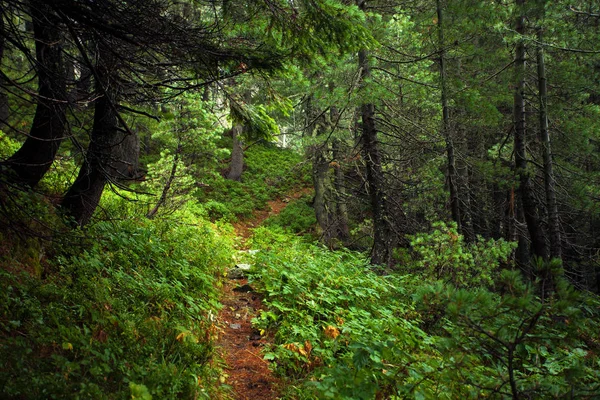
{"x": 298, "y": 217}
{"x": 512, "y": 344}
{"x": 343, "y": 331}
{"x": 131, "y": 313}
{"x": 270, "y": 172}
{"x": 443, "y": 254}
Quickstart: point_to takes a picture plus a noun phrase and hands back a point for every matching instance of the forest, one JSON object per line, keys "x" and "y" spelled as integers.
{"x": 299, "y": 199}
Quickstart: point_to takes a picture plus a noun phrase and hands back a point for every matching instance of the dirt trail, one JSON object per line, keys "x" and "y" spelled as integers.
{"x": 247, "y": 373}
{"x": 274, "y": 207}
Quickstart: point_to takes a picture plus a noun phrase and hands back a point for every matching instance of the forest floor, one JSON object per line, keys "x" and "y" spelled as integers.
{"x": 241, "y": 346}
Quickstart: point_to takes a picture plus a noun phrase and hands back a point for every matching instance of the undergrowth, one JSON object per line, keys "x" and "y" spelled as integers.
{"x": 297, "y": 217}
{"x": 128, "y": 313}
{"x": 346, "y": 331}
{"x": 269, "y": 172}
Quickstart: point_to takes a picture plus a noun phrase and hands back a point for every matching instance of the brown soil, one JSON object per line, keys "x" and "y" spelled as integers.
{"x": 246, "y": 371}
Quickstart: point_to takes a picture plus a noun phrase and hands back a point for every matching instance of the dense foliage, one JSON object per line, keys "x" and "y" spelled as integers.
{"x": 131, "y": 303}
{"x": 269, "y": 172}
{"x": 346, "y": 331}
{"x": 444, "y": 157}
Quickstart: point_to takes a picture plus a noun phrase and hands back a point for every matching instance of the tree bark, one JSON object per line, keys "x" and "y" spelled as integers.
{"x": 383, "y": 240}
{"x": 4, "y": 105}
{"x": 551, "y": 204}
{"x": 236, "y": 167}
{"x": 320, "y": 167}
{"x": 83, "y": 83}
{"x": 83, "y": 196}
{"x": 451, "y": 162}
{"x": 320, "y": 170}
{"x": 538, "y": 242}
{"x": 167, "y": 187}
{"x": 343, "y": 231}
{"x": 237, "y": 154}
{"x": 206, "y": 94}
{"x": 37, "y": 153}
{"x": 111, "y": 155}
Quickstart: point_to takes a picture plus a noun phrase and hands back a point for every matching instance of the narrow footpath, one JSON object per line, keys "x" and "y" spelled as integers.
{"x": 241, "y": 346}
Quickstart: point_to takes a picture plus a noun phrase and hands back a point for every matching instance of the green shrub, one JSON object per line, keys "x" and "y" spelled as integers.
{"x": 342, "y": 331}
{"x": 8, "y": 146}
{"x": 132, "y": 309}
{"x": 511, "y": 344}
{"x": 297, "y": 217}
{"x": 443, "y": 254}
{"x": 270, "y": 172}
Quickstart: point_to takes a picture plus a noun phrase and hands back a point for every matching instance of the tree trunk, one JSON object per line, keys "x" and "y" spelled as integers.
{"x": 551, "y": 204}
{"x": 111, "y": 153}
{"x": 83, "y": 196}
{"x": 83, "y": 83}
{"x": 206, "y": 94}
{"x": 237, "y": 154}
{"x": 499, "y": 206}
{"x": 320, "y": 178}
{"x": 340, "y": 208}
{"x": 4, "y": 106}
{"x": 383, "y": 240}
{"x": 538, "y": 242}
{"x": 37, "y": 153}
{"x": 315, "y": 127}
{"x": 167, "y": 187}
{"x": 343, "y": 231}
{"x": 451, "y": 163}
{"x": 522, "y": 256}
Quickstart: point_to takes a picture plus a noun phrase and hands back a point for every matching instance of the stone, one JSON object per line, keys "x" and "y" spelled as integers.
{"x": 238, "y": 271}
{"x": 235, "y": 326}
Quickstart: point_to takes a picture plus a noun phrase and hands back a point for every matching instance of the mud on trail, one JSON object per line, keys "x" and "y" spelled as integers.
{"x": 241, "y": 346}
{"x": 246, "y": 371}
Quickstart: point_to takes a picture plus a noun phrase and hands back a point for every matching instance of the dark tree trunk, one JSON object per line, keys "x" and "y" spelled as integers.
{"x": 4, "y": 105}
{"x": 465, "y": 203}
{"x": 538, "y": 242}
{"x": 237, "y": 154}
{"x": 339, "y": 197}
{"x": 111, "y": 155}
{"x": 383, "y": 239}
{"x": 381, "y": 252}
{"x": 522, "y": 256}
{"x": 37, "y": 153}
{"x": 83, "y": 196}
{"x": 343, "y": 231}
{"x": 320, "y": 178}
{"x": 206, "y": 94}
{"x": 499, "y": 222}
{"x": 84, "y": 82}
{"x": 70, "y": 80}
{"x": 551, "y": 204}
{"x": 315, "y": 127}
{"x": 451, "y": 162}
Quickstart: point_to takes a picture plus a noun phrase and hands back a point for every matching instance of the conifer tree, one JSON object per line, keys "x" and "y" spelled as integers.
{"x": 37, "y": 153}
